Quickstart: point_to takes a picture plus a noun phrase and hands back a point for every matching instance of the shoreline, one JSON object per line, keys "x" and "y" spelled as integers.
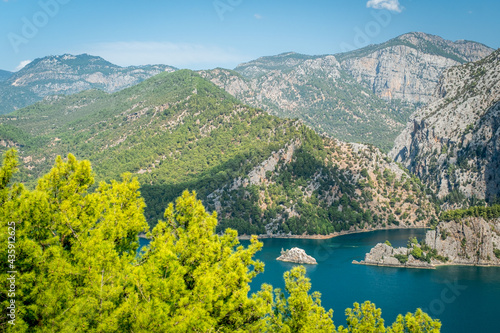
{"x": 432, "y": 266}
{"x": 329, "y": 236}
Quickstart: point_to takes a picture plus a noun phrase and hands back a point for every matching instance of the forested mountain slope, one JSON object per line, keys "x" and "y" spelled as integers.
{"x": 323, "y": 95}
{"x": 4, "y": 75}
{"x": 178, "y": 131}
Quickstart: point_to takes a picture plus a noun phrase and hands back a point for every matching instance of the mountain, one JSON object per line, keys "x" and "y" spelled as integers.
{"x": 4, "y": 75}
{"x": 365, "y": 95}
{"x": 69, "y": 74}
{"x": 262, "y": 174}
{"x": 453, "y": 144}
{"x": 408, "y": 67}
{"x": 319, "y": 92}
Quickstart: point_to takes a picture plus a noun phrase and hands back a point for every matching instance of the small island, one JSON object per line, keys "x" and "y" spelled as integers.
{"x": 297, "y": 256}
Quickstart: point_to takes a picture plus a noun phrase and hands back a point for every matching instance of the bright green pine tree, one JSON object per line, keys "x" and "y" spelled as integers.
{"x": 78, "y": 270}
{"x": 301, "y": 312}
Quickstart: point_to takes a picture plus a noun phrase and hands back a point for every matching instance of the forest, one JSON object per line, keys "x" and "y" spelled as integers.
{"x": 73, "y": 266}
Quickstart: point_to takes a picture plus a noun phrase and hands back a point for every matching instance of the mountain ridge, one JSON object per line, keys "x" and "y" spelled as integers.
{"x": 68, "y": 74}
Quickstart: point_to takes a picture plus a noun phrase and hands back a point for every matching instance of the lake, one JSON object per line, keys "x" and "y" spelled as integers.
{"x": 464, "y": 298}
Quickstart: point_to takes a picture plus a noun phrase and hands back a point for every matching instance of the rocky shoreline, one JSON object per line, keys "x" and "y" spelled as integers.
{"x": 296, "y": 255}
{"x": 471, "y": 241}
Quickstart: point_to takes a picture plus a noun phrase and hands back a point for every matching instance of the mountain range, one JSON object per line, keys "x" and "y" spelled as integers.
{"x": 365, "y": 95}
{"x": 264, "y": 144}
{"x": 262, "y": 174}
{"x": 67, "y": 74}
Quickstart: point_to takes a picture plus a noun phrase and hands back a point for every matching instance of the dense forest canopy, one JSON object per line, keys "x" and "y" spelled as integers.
{"x": 74, "y": 252}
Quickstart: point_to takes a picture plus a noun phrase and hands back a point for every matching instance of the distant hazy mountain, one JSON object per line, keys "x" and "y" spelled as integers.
{"x": 68, "y": 74}
{"x": 453, "y": 144}
{"x": 4, "y": 75}
{"x": 262, "y": 174}
{"x": 361, "y": 96}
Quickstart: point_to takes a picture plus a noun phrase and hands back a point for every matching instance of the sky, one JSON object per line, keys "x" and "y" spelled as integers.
{"x": 203, "y": 34}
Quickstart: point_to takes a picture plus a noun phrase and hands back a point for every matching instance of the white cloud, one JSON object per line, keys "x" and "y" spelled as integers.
{"x": 182, "y": 55}
{"x": 22, "y": 64}
{"x": 258, "y": 16}
{"x": 392, "y": 5}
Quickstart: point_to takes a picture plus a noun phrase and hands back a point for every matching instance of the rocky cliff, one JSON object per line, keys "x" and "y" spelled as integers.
{"x": 362, "y": 96}
{"x": 69, "y": 74}
{"x": 408, "y": 67}
{"x": 467, "y": 241}
{"x": 453, "y": 144}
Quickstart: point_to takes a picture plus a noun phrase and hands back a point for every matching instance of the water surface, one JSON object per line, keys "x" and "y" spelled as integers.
{"x": 464, "y": 298}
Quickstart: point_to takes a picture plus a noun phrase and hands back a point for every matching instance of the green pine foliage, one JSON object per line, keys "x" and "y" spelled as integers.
{"x": 78, "y": 271}
{"x": 488, "y": 213}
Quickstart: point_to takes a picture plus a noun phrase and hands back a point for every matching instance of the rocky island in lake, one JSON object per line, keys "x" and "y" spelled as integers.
{"x": 465, "y": 237}
{"x": 296, "y": 255}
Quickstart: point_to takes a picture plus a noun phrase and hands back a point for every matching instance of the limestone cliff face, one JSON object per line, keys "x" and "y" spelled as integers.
{"x": 453, "y": 144}
{"x": 470, "y": 241}
{"x": 400, "y": 72}
{"x": 362, "y": 96}
{"x": 409, "y": 66}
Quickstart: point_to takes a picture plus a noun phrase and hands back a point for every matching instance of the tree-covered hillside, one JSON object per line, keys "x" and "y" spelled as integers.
{"x": 263, "y": 174}
{"x": 320, "y": 93}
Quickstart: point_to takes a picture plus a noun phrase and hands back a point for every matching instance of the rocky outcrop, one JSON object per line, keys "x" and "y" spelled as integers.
{"x": 297, "y": 256}
{"x": 385, "y": 255}
{"x": 469, "y": 241}
{"x": 453, "y": 144}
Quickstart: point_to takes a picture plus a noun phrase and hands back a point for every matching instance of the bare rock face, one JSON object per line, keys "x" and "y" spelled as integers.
{"x": 453, "y": 144}
{"x": 469, "y": 241}
{"x": 297, "y": 255}
{"x": 408, "y": 67}
{"x": 472, "y": 241}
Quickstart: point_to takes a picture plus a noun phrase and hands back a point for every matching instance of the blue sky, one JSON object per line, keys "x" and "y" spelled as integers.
{"x": 201, "y": 34}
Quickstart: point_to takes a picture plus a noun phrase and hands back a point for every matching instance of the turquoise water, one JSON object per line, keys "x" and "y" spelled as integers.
{"x": 464, "y": 298}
